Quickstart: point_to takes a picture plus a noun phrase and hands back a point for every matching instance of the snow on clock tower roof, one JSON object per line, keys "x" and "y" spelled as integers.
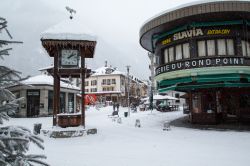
{"x": 70, "y": 29}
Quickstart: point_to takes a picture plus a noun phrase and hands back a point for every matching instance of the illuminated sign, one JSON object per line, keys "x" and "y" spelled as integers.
{"x": 205, "y": 62}
{"x": 195, "y": 33}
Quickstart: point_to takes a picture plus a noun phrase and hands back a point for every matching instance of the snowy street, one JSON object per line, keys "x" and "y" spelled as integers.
{"x": 125, "y": 145}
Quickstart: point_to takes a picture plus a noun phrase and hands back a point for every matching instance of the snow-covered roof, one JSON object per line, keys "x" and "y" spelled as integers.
{"x": 161, "y": 97}
{"x": 43, "y": 79}
{"x": 70, "y": 29}
{"x": 46, "y": 68}
{"x": 107, "y": 71}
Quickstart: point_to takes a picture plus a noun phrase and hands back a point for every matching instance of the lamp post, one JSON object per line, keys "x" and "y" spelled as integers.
{"x": 128, "y": 88}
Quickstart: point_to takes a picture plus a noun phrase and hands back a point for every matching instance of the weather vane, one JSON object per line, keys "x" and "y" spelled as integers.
{"x": 71, "y": 11}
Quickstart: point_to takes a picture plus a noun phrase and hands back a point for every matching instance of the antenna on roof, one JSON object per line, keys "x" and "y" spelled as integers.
{"x": 71, "y": 11}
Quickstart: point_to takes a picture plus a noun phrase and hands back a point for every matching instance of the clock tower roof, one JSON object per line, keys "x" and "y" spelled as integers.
{"x": 70, "y": 29}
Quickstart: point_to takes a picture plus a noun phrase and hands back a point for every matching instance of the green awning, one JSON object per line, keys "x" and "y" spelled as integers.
{"x": 235, "y": 77}
{"x": 175, "y": 81}
{"x": 204, "y": 86}
{"x": 205, "y": 81}
{"x": 218, "y": 78}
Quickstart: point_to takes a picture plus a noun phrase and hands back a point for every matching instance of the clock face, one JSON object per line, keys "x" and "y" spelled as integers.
{"x": 69, "y": 57}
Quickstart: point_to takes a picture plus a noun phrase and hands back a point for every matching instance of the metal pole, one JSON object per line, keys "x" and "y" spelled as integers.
{"x": 128, "y": 88}
{"x": 83, "y": 70}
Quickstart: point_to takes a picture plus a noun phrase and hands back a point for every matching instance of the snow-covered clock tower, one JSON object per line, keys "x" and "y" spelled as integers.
{"x": 69, "y": 43}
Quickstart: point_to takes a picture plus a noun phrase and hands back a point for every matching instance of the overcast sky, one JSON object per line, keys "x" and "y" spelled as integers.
{"x": 116, "y": 23}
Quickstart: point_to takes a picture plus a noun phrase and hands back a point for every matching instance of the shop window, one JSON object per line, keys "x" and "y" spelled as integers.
{"x": 230, "y": 47}
{"x": 50, "y": 102}
{"x": 178, "y": 52}
{"x": 221, "y": 46}
{"x": 196, "y": 101}
{"x": 62, "y": 102}
{"x": 186, "y": 52}
{"x": 71, "y": 102}
{"x": 171, "y": 54}
{"x": 210, "y": 47}
{"x": 244, "y": 101}
{"x": 201, "y": 48}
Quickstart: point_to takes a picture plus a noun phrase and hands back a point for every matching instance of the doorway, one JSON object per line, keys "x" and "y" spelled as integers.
{"x": 33, "y": 102}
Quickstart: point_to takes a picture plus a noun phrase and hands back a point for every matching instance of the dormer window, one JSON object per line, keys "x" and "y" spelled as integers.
{"x": 109, "y": 71}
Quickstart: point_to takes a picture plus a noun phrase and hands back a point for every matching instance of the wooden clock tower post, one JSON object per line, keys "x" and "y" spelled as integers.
{"x": 69, "y": 47}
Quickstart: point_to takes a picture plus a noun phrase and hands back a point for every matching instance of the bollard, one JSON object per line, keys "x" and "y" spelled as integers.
{"x": 137, "y": 123}
{"x": 166, "y": 126}
{"x": 119, "y": 120}
{"x": 37, "y": 128}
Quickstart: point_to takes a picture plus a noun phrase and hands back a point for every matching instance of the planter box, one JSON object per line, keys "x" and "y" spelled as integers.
{"x": 69, "y": 120}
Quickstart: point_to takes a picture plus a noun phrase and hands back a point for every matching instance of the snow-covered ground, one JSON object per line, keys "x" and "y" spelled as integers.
{"x": 124, "y": 145}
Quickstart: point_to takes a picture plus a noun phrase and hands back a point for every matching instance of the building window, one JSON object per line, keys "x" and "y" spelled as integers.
{"x": 122, "y": 81}
{"x": 201, "y": 48}
{"x": 103, "y": 89}
{"x": 86, "y": 83}
{"x": 86, "y": 90}
{"x": 178, "y": 52}
{"x": 221, "y": 46}
{"x": 166, "y": 56}
{"x": 186, "y": 52}
{"x": 245, "y": 48}
{"x": 113, "y": 81}
{"x": 94, "y": 82}
{"x": 210, "y": 47}
{"x": 171, "y": 54}
{"x": 104, "y": 82}
{"x": 230, "y": 47}
{"x": 108, "y": 81}
{"x": 93, "y": 89}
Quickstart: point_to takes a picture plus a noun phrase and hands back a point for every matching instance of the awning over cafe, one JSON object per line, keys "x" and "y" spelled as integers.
{"x": 205, "y": 81}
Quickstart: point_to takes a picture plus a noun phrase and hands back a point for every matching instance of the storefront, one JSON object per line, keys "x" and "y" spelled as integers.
{"x": 207, "y": 58}
{"x": 37, "y": 93}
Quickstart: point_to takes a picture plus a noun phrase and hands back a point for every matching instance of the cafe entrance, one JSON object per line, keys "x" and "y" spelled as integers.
{"x": 33, "y": 103}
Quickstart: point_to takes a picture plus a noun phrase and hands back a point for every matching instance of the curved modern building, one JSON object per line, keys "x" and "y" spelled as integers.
{"x": 204, "y": 50}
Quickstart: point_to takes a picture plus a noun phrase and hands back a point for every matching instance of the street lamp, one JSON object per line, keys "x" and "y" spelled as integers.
{"x": 128, "y": 88}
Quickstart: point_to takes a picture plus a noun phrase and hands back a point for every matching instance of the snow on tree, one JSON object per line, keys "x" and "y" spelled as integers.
{"x": 14, "y": 140}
